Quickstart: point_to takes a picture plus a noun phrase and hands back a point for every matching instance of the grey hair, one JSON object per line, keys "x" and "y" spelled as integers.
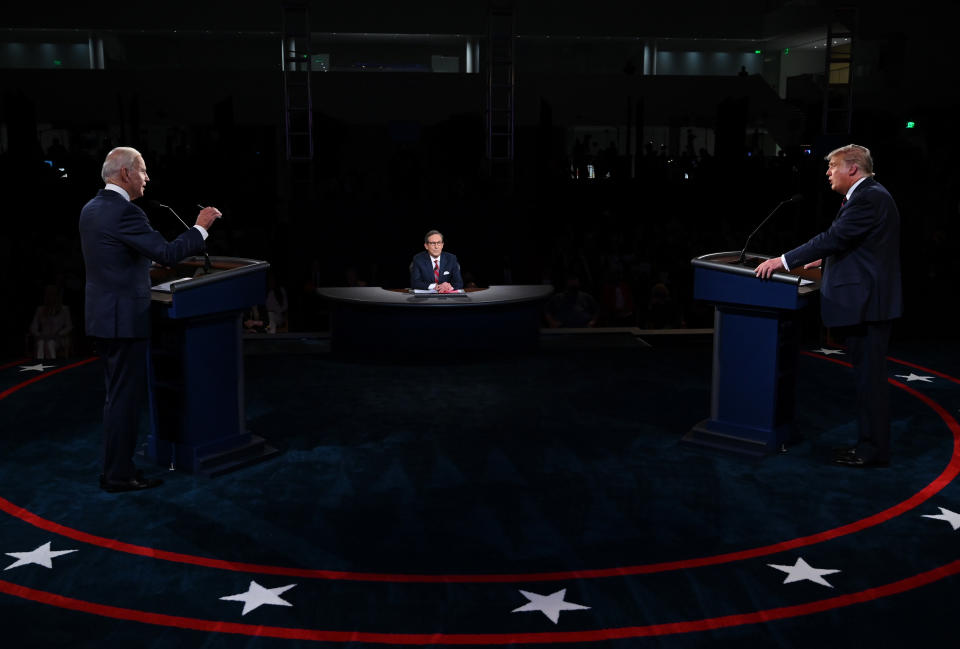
{"x": 122, "y": 157}
{"x": 854, "y": 154}
{"x": 427, "y": 236}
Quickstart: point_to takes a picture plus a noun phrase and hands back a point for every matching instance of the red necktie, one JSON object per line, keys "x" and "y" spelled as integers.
{"x": 436, "y": 271}
{"x": 843, "y": 202}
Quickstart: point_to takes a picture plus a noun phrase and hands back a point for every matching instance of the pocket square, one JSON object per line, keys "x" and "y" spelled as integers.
{"x": 446, "y": 272}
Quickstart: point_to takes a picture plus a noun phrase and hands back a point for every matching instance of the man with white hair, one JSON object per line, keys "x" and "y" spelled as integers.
{"x": 860, "y": 294}
{"x": 118, "y": 245}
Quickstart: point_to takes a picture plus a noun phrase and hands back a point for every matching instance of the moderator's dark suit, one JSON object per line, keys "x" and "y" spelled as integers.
{"x": 421, "y": 270}
{"x": 860, "y": 295}
{"x": 118, "y": 245}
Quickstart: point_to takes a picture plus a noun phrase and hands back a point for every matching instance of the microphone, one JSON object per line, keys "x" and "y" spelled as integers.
{"x": 206, "y": 256}
{"x": 792, "y": 199}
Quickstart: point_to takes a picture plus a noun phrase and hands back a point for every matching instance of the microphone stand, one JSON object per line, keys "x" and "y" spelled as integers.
{"x": 743, "y": 253}
{"x": 206, "y": 256}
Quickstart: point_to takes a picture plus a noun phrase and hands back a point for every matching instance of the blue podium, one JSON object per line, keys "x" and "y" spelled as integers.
{"x": 196, "y": 373}
{"x": 756, "y": 344}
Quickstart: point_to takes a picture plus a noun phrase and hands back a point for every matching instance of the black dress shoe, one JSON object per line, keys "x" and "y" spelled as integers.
{"x": 855, "y": 460}
{"x": 844, "y": 450}
{"x": 137, "y": 483}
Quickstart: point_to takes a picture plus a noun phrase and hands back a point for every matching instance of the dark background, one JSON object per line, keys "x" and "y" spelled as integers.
{"x": 197, "y": 88}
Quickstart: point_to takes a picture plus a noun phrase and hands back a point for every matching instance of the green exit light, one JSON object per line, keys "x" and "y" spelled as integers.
{"x": 786, "y": 50}
{"x": 57, "y": 62}
{"x": 758, "y": 51}
{"x": 911, "y": 125}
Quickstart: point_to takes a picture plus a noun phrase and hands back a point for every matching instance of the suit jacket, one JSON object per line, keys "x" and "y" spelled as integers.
{"x": 861, "y": 253}
{"x": 118, "y": 245}
{"x": 421, "y": 270}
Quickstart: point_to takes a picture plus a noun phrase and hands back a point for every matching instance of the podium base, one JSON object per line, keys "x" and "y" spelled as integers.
{"x": 211, "y": 460}
{"x": 741, "y": 440}
{"x": 254, "y": 451}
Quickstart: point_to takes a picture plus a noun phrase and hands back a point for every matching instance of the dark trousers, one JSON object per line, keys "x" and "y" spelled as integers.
{"x": 867, "y": 343}
{"x": 125, "y": 379}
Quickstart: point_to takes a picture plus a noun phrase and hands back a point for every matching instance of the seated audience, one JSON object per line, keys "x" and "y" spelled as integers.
{"x": 51, "y": 326}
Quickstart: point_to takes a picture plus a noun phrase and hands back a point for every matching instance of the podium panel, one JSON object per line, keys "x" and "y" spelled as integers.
{"x": 756, "y": 343}
{"x": 198, "y": 422}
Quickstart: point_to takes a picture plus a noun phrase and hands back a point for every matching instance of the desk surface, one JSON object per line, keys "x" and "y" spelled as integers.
{"x": 377, "y": 296}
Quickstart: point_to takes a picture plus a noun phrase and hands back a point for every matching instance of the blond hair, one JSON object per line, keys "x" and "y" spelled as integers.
{"x": 854, "y": 154}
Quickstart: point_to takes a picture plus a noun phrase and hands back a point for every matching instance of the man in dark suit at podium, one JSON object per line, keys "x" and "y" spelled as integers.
{"x": 860, "y": 293}
{"x": 433, "y": 268}
{"x": 118, "y": 245}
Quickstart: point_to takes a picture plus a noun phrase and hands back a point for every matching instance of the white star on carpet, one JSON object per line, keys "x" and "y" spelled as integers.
{"x": 256, "y": 596}
{"x": 39, "y": 367}
{"x": 946, "y": 515}
{"x": 802, "y": 571}
{"x": 829, "y": 352}
{"x": 42, "y": 556}
{"x": 550, "y": 605}
{"x": 913, "y": 377}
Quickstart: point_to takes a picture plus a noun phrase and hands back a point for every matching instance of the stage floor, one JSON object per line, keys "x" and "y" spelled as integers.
{"x": 542, "y": 498}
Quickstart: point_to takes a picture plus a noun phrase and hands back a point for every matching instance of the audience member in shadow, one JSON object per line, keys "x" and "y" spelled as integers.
{"x": 276, "y": 305}
{"x": 51, "y": 326}
{"x": 352, "y": 278}
{"x": 572, "y": 307}
{"x": 617, "y": 303}
{"x": 662, "y": 311}
{"x": 253, "y": 320}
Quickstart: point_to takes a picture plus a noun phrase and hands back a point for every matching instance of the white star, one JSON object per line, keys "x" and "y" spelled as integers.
{"x": 913, "y": 377}
{"x": 550, "y": 605}
{"x": 802, "y": 571}
{"x": 256, "y": 596}
{"x": 42, "y": 556}
{"x": 946, "y": 515}
{"x": 829, "y": 352}
{"x": 39, "y": 367}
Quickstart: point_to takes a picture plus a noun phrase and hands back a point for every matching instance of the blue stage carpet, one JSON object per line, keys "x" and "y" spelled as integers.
{"x": 541, "y": 500}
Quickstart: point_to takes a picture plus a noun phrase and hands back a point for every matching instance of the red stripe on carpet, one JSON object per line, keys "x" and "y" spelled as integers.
{"x": 690, "y": 626}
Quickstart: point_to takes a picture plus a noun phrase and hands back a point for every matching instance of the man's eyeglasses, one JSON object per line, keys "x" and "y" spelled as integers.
{"x": 435, "y": 243}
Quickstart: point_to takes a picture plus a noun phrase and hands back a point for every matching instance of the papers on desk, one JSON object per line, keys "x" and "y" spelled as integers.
{"x": 166, "y": 286}
{"x": 429, "y": 292}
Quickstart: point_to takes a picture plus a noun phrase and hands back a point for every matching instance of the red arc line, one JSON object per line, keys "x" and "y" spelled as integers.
{"x": 867, "y": 595}
{"x": 595, "y": 635}
{"x": 39, "y": 377}
{"x": 941, "y": 481}
{"x": 925, "y": 369}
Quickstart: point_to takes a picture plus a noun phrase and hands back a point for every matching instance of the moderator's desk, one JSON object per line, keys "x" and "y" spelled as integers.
{"x": 373, "y": 321}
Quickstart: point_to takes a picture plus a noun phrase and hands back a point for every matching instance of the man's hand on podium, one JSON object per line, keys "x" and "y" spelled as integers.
{"x": 445, "y": 287}
{"x": 769, "y": 267}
